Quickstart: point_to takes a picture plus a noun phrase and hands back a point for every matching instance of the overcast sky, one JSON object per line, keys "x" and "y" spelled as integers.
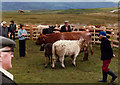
{"x": 59, "y": 0}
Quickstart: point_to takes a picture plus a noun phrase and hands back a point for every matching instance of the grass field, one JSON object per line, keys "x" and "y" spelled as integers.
{"x": 100, "y": 16}
{"x": 30, "y": 69}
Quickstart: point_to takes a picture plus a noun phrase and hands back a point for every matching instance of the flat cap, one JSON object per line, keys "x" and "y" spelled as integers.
{"x": 66, "y": 21}
{"x": 4, "y": 42}
{"x": 4, "y": 22}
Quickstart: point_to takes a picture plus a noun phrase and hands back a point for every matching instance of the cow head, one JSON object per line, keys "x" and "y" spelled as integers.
{"x": 40, "y": 40}
{"x": 82, "y": 43}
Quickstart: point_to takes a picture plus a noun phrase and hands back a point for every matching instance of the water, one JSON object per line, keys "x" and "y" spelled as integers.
{"x": 55, "y": 5}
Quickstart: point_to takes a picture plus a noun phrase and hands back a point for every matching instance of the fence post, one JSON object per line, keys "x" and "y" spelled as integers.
{"x": 112, "y": 39}
{"x": 31, "y": 33}
{"x": 94, "y": 35}
{"x": 37, "y": 33}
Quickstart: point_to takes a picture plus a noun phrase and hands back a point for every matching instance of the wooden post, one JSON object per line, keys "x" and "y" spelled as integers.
{"x": 94, "y": 35}
{"x": 37, "y": 32}
{"x": 77, "y": 28}
{"x": 31, "y": 33}
{"x": 112, "y": 39}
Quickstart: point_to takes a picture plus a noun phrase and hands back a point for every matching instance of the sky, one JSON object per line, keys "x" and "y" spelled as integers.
{"x": 59, "y": 0}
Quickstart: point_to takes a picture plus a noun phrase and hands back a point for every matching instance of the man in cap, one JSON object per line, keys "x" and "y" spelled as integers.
{"x": 12, "y": 28}
{"x": 106, "y": 56}
{"x": 4, "y": 29}
{"x": 6, "y": 55}
{"x": 66, "y": 27}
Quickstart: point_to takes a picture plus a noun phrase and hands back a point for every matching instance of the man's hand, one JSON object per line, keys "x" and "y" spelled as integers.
{"x": 24, "y": 34}
{"x": 114, "y": 55}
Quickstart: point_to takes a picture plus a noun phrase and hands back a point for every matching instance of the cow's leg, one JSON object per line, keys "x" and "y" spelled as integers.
{"x": 91, "y": 48}
{"x": 74, "y": 59}
{"x": 58, "y": 59}
{"x": 62, "y": 61}
{"x": 49, "y": 60}
{"x": 53, "y": 61}
{"x": 86, "y": 53}
{"x": 45, "y": 61}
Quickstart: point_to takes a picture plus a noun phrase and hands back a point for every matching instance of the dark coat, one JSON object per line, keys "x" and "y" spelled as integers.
{"x": 4, "y": 31}
{"x": 12, "y": 27}
{"x": 106, "y": 50}
{"x": 6, "y": 80}
{"x": 63, "y": 29}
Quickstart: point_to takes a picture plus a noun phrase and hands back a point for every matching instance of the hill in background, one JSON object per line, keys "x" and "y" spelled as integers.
{"x": 55, "y": 5}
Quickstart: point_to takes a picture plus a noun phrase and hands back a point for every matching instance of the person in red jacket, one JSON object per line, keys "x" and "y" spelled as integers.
{"x": 106, "y": 56}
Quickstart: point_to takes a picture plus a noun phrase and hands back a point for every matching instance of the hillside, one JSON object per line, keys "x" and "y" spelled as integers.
{"x": 83, "y": 16}
{"x": 55, "y": 5}
{"x": 77, "y": 11}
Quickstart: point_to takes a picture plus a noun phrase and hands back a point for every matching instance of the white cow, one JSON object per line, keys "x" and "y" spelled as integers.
{"x": 64, "y": 48}
{"x": 41, "y": 27}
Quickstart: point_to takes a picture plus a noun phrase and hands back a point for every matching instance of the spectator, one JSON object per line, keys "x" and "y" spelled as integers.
{"x": 21, "y": 35}
{"x": 106, "y": 56}
{"x": 12, "y": 28}
{"x": 66, "y": 27}
{"x": 6, "y": 55}
{"x": 4, "y": 30}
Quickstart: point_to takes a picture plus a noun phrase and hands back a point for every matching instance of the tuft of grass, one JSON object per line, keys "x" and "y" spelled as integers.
{"x": 31, "y": 69}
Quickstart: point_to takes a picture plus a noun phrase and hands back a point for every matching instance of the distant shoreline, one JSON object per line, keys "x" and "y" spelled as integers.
{"x": 56, "y": 5}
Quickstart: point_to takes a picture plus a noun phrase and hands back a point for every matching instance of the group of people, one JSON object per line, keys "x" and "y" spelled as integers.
{"x": 4, "y": 31}
{"x": 7, "y": 45}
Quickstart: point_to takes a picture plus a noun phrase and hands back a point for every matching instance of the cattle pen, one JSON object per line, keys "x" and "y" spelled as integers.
{"x": 112, "y": 33}
{"x": 32, "y": 68}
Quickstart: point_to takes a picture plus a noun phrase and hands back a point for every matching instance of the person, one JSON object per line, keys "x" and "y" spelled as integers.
{"x": 12, "y": 29}
{"x": 21, "y": 35}
{"x": 66, "y": 27}
{"x": 106, "y": 56}
{"x": 6, "y": 55}
{"x": 4, "y": 29}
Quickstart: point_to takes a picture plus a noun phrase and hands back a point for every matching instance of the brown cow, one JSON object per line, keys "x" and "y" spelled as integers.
{"x": 51, "y": 38}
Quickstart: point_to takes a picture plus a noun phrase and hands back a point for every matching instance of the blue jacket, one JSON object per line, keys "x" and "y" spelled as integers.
{"x": 20, "y": 33}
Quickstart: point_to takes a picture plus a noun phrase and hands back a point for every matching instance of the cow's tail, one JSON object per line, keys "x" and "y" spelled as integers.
{"x": 53, "y": 53}
{"x": 91, "y": 48}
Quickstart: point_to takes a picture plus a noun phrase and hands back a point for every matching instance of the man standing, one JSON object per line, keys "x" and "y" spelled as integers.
{"x": 66, "y": 27}
{"x": 6, "y": 55}
{"x": 12, "y": 28}
{"x": 21, "y": 35}
{"x": 106, "y": 56}
{"x": 4, "y": 30}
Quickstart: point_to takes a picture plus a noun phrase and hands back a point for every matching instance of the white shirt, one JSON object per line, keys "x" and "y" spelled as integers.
{"x": 9, "y": 75}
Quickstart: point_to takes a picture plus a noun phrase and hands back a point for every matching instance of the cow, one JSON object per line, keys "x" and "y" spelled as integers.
{"x": 51, "y": 38}
{"x": 21, "y": 11}
{"x": 48, "y": 53}
{"x": 64, "y": 48}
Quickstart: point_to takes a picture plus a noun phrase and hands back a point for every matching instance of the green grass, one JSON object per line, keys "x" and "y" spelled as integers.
{"x": 83, "y": 16}
{"x": 30, "y": 69}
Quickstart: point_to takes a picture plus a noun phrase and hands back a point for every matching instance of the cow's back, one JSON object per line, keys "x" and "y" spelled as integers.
{"x": 51, "y": 38}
